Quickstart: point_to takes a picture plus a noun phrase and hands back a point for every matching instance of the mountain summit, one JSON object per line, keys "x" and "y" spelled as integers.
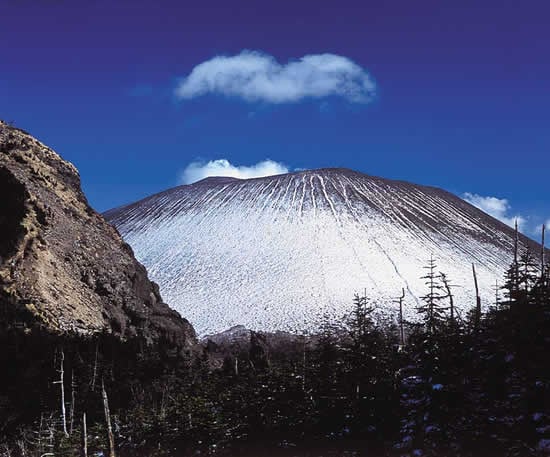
{"x": 279, "y": 252}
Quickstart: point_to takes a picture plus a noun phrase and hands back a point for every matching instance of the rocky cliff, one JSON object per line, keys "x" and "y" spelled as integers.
{"x": 63, "y": 268}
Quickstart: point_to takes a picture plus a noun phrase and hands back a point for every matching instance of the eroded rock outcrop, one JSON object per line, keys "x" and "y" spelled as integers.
{"x": 63, "y": 268}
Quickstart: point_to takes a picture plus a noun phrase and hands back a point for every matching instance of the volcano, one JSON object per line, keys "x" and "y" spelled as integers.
{"x": 280, "y": 252}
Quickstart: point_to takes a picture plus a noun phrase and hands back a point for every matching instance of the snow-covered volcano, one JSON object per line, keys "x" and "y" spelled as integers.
{"x": 276, "y": 253}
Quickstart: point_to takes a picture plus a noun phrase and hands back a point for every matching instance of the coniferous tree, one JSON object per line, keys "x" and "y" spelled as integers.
{"x": 432, "y": 310}
{"x": 327, "y": 378}
{"x": 528, "y": 272}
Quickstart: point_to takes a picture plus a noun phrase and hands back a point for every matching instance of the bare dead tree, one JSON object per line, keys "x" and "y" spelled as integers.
{"x": 61, "y": 382}
{"x": 401, "y": 328}
{"x": 450, "y": 296}
{"x": 304, "y": 363}
{"x": 22, "y": 448}
{"x": 497, "y": 298}
{"x": 73, "y": 395}
{"x": 84, "y": 436}
{"x": 162, "y": 409}
{"x": 542, "y": 259}
{"x": 515, "y": 279}
{"x": 39, "y": 436}
{"x": 401, "y": 325}
{"x": 516, "y": 241}
{"x": 51, "y": 436}
{"x": 110, "y": 435}
{"x": 94, "y": 372}
{"x": 478, "y": 300}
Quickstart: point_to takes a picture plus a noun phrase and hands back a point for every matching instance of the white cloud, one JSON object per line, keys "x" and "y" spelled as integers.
{"x": 196, "y": 171}
{"x": 499, "y": 208}
{"x": 255, "y": 76}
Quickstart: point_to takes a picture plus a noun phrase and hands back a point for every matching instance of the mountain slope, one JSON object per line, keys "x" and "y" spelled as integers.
{"x": 277, "y": 253}
{"x": 63, "y": 268}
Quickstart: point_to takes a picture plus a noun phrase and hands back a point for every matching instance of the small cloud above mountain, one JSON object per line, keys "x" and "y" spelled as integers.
{"x": 196, "y": 171}
{"x": 256, "y": 76}
{"x": 499, "y": 208}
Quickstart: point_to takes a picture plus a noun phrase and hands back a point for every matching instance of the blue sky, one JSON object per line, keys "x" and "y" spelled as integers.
{"x": 451, "y": 94}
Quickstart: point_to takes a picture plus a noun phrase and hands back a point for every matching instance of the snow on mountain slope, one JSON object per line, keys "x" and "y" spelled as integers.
{"x": 276, "y": 253}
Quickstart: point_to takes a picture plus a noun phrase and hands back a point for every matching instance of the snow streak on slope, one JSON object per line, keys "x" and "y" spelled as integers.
{"x": 277, "y": 253}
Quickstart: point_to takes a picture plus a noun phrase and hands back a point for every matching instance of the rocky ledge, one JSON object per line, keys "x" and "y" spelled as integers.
{"x": 63, "y": 268}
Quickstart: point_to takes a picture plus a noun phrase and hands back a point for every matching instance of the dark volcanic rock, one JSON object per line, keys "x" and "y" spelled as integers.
{"x": 63, "y": 268}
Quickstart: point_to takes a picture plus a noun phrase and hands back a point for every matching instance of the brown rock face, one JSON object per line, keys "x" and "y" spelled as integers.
{"x": 62, "y": 266}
